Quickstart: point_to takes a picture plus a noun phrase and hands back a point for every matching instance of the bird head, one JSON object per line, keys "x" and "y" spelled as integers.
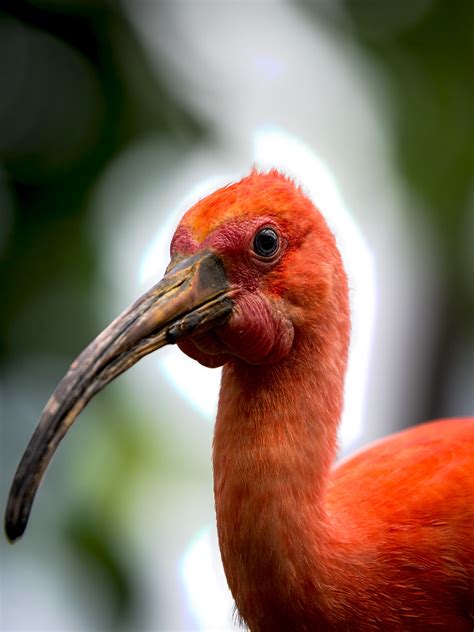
{"x": 253, "y": 267}
{"x": 281, "y": 264}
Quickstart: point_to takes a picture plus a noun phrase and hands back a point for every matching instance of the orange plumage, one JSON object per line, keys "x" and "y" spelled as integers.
{"x": 384, "y": 542}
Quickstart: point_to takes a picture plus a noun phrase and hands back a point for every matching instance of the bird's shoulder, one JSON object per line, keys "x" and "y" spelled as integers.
{"x": 420, "y": 474}
{"x": 402, "y": 510}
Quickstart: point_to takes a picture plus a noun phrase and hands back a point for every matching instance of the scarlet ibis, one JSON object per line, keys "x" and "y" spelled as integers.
{"x": 385, "y": 541}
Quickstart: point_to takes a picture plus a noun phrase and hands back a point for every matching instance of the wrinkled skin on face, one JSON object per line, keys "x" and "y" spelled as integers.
{"x": 260, "y": 330}
{"x": 272, "y": 296}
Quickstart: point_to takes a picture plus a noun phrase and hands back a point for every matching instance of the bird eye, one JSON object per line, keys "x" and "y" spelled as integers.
{"x": 266, "y": 243}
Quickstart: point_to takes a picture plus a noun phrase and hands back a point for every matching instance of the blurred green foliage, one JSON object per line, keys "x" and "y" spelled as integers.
{"x": 76, "y": 89}
{"x": 423, "y": 52}
{"x": 66, "y": 66}
{"x": 100, "y": 556}
{"x": 429, "y": 64}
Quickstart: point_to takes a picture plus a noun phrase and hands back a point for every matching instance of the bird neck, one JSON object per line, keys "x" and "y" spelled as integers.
{"x": 274, "y": 443}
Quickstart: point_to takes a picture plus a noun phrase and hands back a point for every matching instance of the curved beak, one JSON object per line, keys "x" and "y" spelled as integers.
{"x": 193, "y": 296}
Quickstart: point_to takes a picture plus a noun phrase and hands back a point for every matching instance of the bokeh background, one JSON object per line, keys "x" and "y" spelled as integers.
{"x": 113, "y": 115}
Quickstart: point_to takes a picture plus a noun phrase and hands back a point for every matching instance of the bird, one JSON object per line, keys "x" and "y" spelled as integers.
{"x": 384, "y": 540}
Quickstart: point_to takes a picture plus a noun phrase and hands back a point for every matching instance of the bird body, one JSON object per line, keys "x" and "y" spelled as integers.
{"x": 385, "y": 541}
{"x": 414, "y": 510}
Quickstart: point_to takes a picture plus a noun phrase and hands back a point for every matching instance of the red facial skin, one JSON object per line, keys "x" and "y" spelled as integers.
{"x": 382, "y": 543}
{"x": 259, "y": 331}
{"x": 267, "y": 302}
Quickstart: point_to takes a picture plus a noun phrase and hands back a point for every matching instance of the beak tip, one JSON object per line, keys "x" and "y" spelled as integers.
{"x": 14, "y": 529}
{"x": 12, "y": 533}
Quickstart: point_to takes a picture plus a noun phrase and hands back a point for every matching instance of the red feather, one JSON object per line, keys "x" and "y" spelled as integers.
{"x": 383, "y": 542}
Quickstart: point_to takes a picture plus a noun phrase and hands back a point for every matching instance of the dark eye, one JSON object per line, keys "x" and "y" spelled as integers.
{"x": 266, "y": 243}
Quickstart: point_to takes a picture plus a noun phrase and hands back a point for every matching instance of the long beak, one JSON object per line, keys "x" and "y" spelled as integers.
{"x": 192, "y": 297}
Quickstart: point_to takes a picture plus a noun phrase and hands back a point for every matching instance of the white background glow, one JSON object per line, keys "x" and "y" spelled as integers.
{"x": 317, "y": 121}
